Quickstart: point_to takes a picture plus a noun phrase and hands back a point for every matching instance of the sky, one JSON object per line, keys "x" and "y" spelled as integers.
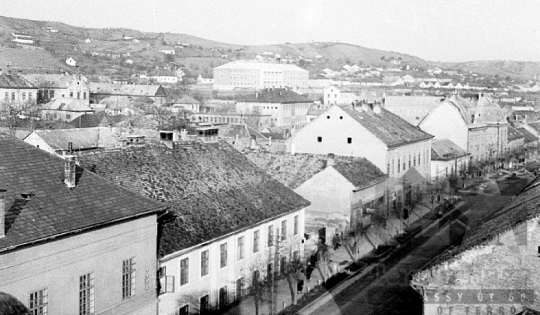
{"x": 436, "y": 30}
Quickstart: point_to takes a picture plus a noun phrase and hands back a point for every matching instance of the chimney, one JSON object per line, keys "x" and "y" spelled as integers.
{"x": 2, "y": 213}
{"x": 183, "y": 135}
{"x": 330, "y": 159}
{"x": 69, "y": 170}
{"x": 377, "y": 108}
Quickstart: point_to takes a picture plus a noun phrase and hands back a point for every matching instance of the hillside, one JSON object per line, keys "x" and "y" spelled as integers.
{"x": 120, "y": 51}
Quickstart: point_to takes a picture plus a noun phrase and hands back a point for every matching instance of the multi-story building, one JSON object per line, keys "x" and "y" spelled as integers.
{"x": 286, "y": 108}
{"x": 15, "y": 90}
{"x": 333, "y": 95}
{"x": 478, "y": 126}
{"x": 52, "y": 86}
{"x": 129, "y": 92}
{"x": 65, "y": 109}
{"x": 368, "y": 130}
{"x": 72, "y": 242}
{"x": 230, "y": 221}
{"x": 258, "y": 75}
{"x": 447, "y": 159}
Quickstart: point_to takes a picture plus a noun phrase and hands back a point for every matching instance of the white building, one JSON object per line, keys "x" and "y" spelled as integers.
{"x": 258, "y": 75}
{"x": 71, "y": 62}
{"x": 447, "y": 159}
{"x": 227, "y": 219}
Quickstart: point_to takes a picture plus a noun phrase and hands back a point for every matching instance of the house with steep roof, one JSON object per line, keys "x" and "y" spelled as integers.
{"x": 14, "y": 89}
{"x": 51, "y": 86}
{"x": 342, "y": 190}
{"x": 127, "y": 91}
{"x": 515, "y": 146}
{"x": 412, "y": 108}
{"x": 187, "y": 103}
{"x": 370, "y": 131}
{"x": 65, "y": 109}
{"x": 493, "y": 268}
{"x": 333, "y": 95}
{"x": 287, "y": 108}
{"x": 447, "y": 159}
{"x": 531, "y": 143}
{"x": 227, "y": 217}
{"x": 477, "y": 126}
{"x": 72, "y": 241}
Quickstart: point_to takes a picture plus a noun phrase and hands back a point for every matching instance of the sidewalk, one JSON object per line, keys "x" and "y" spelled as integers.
{"x": 338, "y": 260}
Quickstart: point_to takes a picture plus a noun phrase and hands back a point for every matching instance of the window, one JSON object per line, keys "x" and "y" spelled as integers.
{"x": 349, "y": 140}
{"x": 340, "y": 117}
{"x": 12, "y": 96}
{"x": 269, "y": 271}
{"x": 184, "y": 310}
{"x": 283, "y": 264}
{"x": 270, "y": 235}
{"x": 84, "y": 95}
{"x": 388, "y": 168}
{"x": 51, "y": 94}
{"x": 78, "y": 95}
{"x": 327, "y": 117}
{"x": 223, "y": 255}
{"x": 295, "y": 225}
{"x": 29, "y": 95}
{"x": 68, "y": 116}
{"x": 296, "y": 256}
{"x": 128, "y": 278}
{"x": 283, "y": 230}
{"x": 256, "y": 236}
{"x": 166, "y": 283}
{"x": 184, "y": 271}
{"x": 86, "y": 294}
{"x": 204, "y": 263}
{"x": 319, "y": 139}
{"x": 7, "y": 96}
{"x": 398, "y": 165}
{"x": 409, "y": 161}
{"x": 39, "y": 301}
{"x": 240, "y": 254}
{"x": 414, "y": 161}
{"x": 70, "y": 94}
{"x": 23, "y": 96}
{"x": 204, "y": 304}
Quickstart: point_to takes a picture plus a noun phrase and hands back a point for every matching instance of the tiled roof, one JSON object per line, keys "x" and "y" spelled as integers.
{"x": 55, "y": 209}
{"x": 535, "y": 125}
{"x": 412, "y": 108}
{"x": 67, "y": 104}
{"x": 14, "y": 81}
{"x": 529, "y": 137}
{"x": 282, "y": 96}
{"x": 242, "y": 130}
{"x": 248, "y": 65}
{"x": 293, "y": 170}
{"x": 213, "y": 189}
{"x": 89, "y": 120}
{"x": 49, "y": 80}
{"x": 514, "y": 134}
{"x": 445, "y": 149}
{"x": 388, "y": 127}
{"x": 81, "y": 138}
{"x": 488, "y": 112}
{"x": 124, "y": 89}
{"x": 187, "y": 100}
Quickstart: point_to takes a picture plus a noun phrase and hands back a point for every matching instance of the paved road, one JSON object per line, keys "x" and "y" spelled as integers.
{"x": 386, "y": 290}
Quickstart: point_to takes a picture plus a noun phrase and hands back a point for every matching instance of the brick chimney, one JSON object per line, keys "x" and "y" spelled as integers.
{"x": 3, "y": 212}
{"x": 70, "y": 167}
{"x": 330, "y": 159}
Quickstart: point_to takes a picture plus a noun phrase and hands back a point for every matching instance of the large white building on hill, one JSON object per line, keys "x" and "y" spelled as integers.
{"x": 258, "y": 75}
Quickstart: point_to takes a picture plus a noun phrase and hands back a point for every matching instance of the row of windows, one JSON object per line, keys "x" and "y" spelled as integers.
{"x": 240, "y": 253}
{"x": 39, "y": 300}
{"x": 23, "y": 96}
{"x": 413, "y": 160}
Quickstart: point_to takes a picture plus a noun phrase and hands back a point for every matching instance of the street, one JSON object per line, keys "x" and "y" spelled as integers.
{"x": 386, "y": 289}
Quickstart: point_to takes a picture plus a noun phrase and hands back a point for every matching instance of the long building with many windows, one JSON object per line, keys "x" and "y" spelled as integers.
{"x": 259, "y": 75}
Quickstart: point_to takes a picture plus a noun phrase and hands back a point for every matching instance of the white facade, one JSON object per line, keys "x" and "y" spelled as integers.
{"x": 333, "y": 95}
{"x": 443, "y": 169}
{"x": 236, "y": 268}
{"x": 165, "y": 79}
{"x": 259, "y": 75}
{"x": 288, "y": 115}
{"x": 446, "y": 122}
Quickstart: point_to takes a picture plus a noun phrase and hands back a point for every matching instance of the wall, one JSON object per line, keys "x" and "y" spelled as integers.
{"x": 218, "y": 277}
{"x": 443, "y": 169}
{"x": 22, "y": 96}
{"x": 57, "y": 266}
{"x": 38, "y": 142}
{"x": 334, "y": 132}
{"x": 446, "y": 122}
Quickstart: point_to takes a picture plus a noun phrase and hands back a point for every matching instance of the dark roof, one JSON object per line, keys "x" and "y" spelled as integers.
{"x": 14, "y": 81}
{"x": 529, "y": 137}
{"x": 55, "y": 209}
{"x": 242, "y": 130}
{"x": 445, "y": 149}
{"x": 535, "y": 125}
{"x": 187, "y": 100}
{"x": 212, "y": 188}
{"x": 514, "y": 134}
{"x": 80, "y": 138}
{"x": 89, "y": 120}
{"x": 294, "y": 170}
{"x": 282, "y": 96}
{"x": 521, "y": 208}
{"x": 9, "y": 305}
{"x": 391, "y": 129}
